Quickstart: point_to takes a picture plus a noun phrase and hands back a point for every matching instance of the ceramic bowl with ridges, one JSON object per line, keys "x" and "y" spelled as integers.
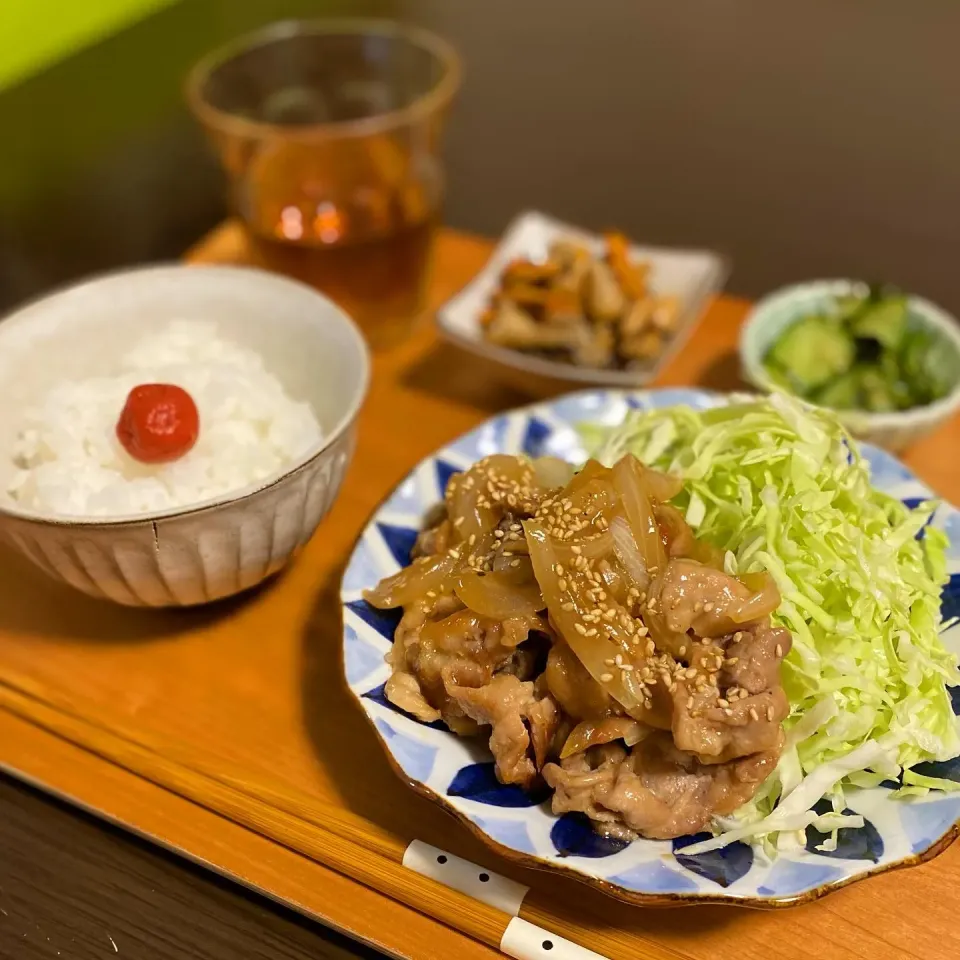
{"x": 209, "y": 550}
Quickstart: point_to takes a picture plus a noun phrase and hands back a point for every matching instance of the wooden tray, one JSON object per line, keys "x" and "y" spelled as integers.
{"x": 245, "y": 700}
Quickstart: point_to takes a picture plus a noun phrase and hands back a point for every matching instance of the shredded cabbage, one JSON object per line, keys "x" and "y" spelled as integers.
{"x": 782, "y": 488}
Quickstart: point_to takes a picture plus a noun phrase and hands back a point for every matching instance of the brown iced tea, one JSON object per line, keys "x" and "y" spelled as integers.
{"x": 330, "y": 136}
{"x": 378, "y": 280}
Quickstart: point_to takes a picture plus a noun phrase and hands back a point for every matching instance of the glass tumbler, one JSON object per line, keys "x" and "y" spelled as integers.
{"x": 329, "y": 132}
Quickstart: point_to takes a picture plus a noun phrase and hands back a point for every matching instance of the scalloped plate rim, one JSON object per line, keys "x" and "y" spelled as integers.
{"x": 539, "y": 863}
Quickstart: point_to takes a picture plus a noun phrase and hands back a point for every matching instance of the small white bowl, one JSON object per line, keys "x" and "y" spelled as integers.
{"x": 222, "y": 546}
{"x": 773, "y": 314}
{"x": 693, "y": 276}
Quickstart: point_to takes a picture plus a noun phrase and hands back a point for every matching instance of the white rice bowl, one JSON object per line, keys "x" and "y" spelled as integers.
{"x": 69, "y": 462}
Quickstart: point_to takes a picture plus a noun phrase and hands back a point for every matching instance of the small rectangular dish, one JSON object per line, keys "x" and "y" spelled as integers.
{"x": 691, "y": 276}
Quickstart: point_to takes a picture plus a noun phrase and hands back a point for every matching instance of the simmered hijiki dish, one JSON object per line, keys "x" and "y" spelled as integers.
{"x": 598, "y": 638}
{"x": 714, "y": 625}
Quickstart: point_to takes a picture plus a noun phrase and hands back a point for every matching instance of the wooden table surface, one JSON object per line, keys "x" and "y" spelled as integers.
{"x": 423, "y": 394}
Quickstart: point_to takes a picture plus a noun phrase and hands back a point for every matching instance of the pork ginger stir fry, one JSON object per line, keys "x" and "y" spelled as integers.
{"x": 577, "y": 622}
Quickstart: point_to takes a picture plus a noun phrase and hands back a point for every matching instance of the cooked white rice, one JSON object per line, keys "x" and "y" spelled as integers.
{"x": 68, "y": 459}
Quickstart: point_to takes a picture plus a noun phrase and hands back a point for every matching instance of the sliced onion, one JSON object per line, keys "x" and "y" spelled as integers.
{"x": 552, "y": 472}
{"x": 593, "y": 548}
{"x": 627, "y": 552}
{"x": 568, "y": 682}
{"x": 661, "y": 486}
{"x": 639, "y": 510}
{"x": 680, "y": 539}
{"x": 761, "y": 603}
{"x": 450, "y": 632}
{"x": 465, "y": 493}
{"x": 592, "y": 651}
{"x": 591, "y": 470}
{"x": 591, "y": 499}
{"x": 411, "y": 583}
{"x": 594, "y": 733}
{"x": 493, "y": 595}
{"x": 521, "y": 573}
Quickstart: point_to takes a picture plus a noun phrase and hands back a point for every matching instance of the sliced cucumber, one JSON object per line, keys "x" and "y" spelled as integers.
{"x": 813, "y": 351}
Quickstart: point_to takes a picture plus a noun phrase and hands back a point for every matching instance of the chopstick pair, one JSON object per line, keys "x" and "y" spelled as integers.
{"x": 479, "y": 903}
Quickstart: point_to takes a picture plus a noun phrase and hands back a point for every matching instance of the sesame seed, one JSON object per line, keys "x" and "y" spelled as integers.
{"x": 728, "y": 712}
{"x": 454, "y": 553}
{"x": 689, "y": 703}
{"x": 691, "y": 673}
{"x": 580, "y": 628}
{"x": 567, "y": 606}
{"x": 730, "y": 661}
{"x": 753, "y": 714}
{"x": 514, "y": 563}
{"x": 610, "y": 662}
{"x": 652, "y": 603}
{"x": 698, "y": 606}
{"x": 562, "y": 584}
{"x": 682, "y": 651}
{"x": 606, "y": 677}
{"x": 626, "y": 667}
{"x": 458, "y": 521}
{"x": 722, "y": 703}
{"x": 707, "y": 607}
{"x": 498, "y": 534}
{"x": 431, "y": 594}
{"x": 559, "y": 569}
{"x": 576, "y": 550}
{"x": 592, "y": 632}
{"x": 770, "y": 713}
{"x": 779, "y": 650}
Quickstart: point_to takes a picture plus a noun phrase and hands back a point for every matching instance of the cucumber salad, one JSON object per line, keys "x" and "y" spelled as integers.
{"x": 864, "y": 352}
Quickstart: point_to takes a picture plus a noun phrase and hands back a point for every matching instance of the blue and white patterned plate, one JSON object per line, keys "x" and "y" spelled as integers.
{"x": 458, "y": 773}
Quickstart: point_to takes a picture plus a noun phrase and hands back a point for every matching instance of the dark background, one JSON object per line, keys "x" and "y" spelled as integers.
{"x": 802, "y": 139}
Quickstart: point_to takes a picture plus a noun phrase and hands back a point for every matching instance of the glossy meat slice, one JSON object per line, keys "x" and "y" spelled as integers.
{"x": 753, "y": 657}
{"x": 738, "y": 728}
{"x": 403, "y": 690}
{"x": 444, "y": 645}
{"x": 689, "y": 596}
{"x": 654, "y": 790}
{"x": 568, "y": 681}
{"x": 523, "y": 724}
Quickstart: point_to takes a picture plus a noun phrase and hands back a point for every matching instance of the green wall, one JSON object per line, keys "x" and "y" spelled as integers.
{"x": 36, "y": 33}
